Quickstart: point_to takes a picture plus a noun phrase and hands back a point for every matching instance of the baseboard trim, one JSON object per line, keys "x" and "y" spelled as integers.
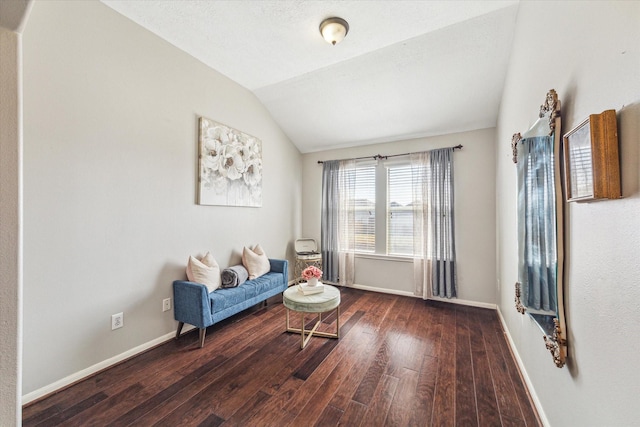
{"x": 523, "y": 371}
{"x": 465, "y": 302}
{"x": 379, "y": 290}
{"x": 410, "y": 294}
{"x": 91, "y": 370}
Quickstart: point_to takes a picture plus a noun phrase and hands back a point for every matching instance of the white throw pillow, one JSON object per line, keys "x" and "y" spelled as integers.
{"x": 205, "y": 271}
{"x": 255, "y": 261}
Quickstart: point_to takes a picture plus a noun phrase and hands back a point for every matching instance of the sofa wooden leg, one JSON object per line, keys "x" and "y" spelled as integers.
{"x": 203, "y": 332}
{"x": 179, "y": 330}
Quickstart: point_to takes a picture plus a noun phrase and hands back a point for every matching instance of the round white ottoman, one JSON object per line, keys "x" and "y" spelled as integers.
{"x": 323, "y": 302}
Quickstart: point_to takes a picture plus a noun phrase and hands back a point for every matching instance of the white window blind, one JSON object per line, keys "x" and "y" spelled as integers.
{"x": 365, "y": 208}
{"x": 399, "y": 211}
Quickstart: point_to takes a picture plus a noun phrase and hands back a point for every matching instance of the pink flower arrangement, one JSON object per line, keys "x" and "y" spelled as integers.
{"x": 310, "y": 272}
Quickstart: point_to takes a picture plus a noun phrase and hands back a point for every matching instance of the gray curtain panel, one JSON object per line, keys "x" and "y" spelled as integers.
{"x": 329, "y": 221}
{"x": 537, "y": 244}
{"x": 443, "y": 250}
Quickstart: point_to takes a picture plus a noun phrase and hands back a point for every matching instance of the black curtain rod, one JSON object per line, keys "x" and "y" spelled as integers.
{"x": 379, "y": 156}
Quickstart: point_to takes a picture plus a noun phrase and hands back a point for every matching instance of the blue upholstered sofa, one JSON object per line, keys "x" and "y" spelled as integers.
{"x": 193, "y": 304}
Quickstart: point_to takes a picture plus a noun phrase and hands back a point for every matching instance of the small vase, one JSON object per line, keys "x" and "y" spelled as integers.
{"x": 312, "y": 281}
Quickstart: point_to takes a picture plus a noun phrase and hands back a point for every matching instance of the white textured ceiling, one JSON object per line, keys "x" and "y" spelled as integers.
{"x": 406, "y": 69}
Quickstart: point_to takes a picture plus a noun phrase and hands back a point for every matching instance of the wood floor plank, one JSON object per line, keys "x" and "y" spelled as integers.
{"x": 34, "y": 417}
{"x": 512, "y": 422}
{"x": 400, "y": 361}
{"x": 432, "y": 326}
{"x": 422, "y": 413}
{"x": 383, "y": 319}
{"x": 73, "y": 410}
{"x": 381, "y": 401}
{"x": 273, "y": 410}
{"x": 412, "y": 347}
{"x": 166, "y": 392}
{"x": 377, "y": 308}
{"x": 529, "y": 413}
{"x": 364, "y": 392}
{"x": 270, "y": 415}
{"x": 404, "y": 332}
{"x": 378, "y": 366}
{"x": 488, "y": 413}
{"x": 422, "y": 334}
{"x": 508, "y": 404}
{"x": 187, "y": 364}
{"x": 284, "y": 375}
{"x": 308, "y": 409}
{"x": 212, "y": 421}
{"x": 347, "y": 299}
{"x": 100, "y": 414}
{"x": 353, "y": 414}
{"x": 321, "y": 385}
{"x": 319, "y": 356}
{"x": 375, "y": 323}
{"x": 226, "y": 394}
{"x": 466, "y": 412}
{"x": 444, "y": 399}
{"x": 97, "y": 383}
{"x": 329, "y": 417}
{"x": 224, "y": 375}
{"x": 404, "y": 399}
{"x": 252, "y": 406}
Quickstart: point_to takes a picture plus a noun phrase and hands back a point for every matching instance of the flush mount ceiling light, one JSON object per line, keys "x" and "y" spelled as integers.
{"x": 334, "y": 29}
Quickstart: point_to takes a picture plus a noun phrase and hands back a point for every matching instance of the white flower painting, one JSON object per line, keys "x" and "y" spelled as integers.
{"x": 230, "y": 166}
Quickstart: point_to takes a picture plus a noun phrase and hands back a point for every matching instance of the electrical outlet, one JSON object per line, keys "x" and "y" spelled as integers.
{"x": 166, "y": 304}
{"x": 117, "y": 321}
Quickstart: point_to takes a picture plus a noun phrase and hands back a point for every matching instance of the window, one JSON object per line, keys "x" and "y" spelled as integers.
{"x": 385, "y": 190}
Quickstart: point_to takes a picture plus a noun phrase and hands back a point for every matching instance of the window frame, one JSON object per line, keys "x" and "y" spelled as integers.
{"x": 382, "y": 212}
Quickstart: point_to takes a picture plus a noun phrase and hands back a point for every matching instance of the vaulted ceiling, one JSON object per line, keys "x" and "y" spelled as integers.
{"x": 406, "y": 68}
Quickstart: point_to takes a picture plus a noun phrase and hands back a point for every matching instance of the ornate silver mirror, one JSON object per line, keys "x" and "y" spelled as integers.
{"x": 539, "y": 288}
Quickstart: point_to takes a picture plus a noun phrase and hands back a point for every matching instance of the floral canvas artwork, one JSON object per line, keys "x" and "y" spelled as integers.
{"x": 230, "y": 166}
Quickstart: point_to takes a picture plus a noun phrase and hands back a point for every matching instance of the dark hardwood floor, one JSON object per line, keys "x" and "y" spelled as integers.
{"x": 400, "y": 361}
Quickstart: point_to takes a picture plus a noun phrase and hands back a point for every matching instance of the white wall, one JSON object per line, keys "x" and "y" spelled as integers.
{"x": 110, "y": 173}
{"x": 589, "y": 52}
{"x": 474, "y": 176}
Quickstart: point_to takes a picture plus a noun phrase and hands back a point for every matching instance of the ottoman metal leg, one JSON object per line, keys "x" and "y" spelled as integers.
{"x": 305, "y": 335}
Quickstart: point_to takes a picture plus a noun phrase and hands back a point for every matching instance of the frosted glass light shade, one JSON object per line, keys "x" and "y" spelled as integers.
{"x": 334, "y": 30}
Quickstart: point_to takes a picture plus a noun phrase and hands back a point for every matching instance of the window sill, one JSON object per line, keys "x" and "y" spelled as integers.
{"x": 380, "y": 257}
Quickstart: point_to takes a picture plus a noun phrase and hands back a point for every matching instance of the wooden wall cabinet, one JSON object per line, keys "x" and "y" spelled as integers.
{"x": 592, "y": 164}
